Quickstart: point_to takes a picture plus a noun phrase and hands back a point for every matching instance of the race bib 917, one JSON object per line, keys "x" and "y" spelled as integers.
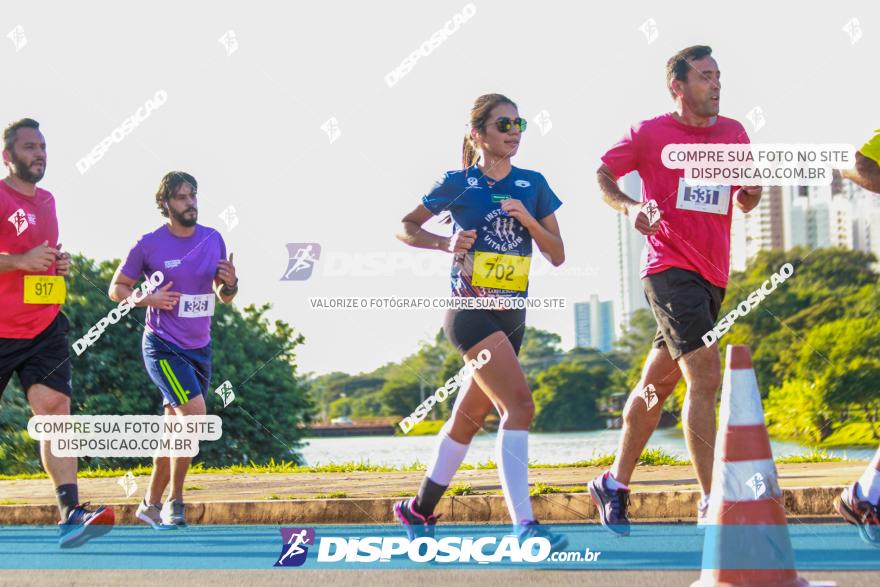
{"x": 501, "y": 271}
{"x": 195, "y": 306}
{"x": 713, "y": 199}
{"x": 44, "y": 289}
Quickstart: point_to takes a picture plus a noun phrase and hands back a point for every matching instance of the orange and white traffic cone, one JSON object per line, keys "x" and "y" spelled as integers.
{"x": 747, "y": 541}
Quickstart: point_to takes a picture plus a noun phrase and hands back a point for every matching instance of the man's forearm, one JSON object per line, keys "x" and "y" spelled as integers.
{"x": 612, "y": 193}
{"x": 8, "y": 262}
{"x": 866, "y": 173}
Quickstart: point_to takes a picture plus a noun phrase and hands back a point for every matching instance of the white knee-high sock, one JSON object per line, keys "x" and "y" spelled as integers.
{"x": 512, "y": 457}
{"x": 869, "y": 485}
{"x": 448, "y": 456}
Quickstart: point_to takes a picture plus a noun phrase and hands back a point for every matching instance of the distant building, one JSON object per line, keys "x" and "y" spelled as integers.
{"x": 839, "y": 215}
{"x": 762, "y": 229}
{"x": 630, "y": 246}
{"x": 820, "y": 217}
{"x": 594, "y": 324}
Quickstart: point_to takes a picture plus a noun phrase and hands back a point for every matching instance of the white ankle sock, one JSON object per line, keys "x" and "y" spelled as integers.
{"x": 512, "y": 457}
{"x": 448, "y": 456}
{"x": 869, "y": 485}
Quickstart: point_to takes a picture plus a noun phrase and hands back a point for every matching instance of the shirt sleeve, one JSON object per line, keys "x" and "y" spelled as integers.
{"x": 871, "y": 149}
{"x": 222, "y": 244}
{"x": 441, "y": 195}
{"x": 134, "y": 266}
{"x": 548, "y": 203}
{"x": 742, "y": 137}
{"x": 623, "y": 157}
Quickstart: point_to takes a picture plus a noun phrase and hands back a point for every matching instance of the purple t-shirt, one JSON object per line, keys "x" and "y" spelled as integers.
{"x": 190, "y": 263}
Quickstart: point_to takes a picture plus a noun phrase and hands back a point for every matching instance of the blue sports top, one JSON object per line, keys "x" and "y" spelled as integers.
{"x": 474, "y": 205}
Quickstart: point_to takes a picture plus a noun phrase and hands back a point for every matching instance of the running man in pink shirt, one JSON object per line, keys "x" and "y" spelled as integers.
{"x": 34, "y": 341}
{"x": 684, "y": 272}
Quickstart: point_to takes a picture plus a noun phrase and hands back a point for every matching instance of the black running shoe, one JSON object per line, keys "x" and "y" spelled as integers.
{"x": 611, "y": 504}
{"x": 532, "y": 529}
{"x": 861, "y": 513}
{"x": 82, "y": 525}
{"x": 415, "y": 523}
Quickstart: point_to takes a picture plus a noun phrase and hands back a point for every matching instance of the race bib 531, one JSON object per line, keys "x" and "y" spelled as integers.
{"x": 501, "y": 271}
{"x": 44, "y": 289}
{"x": 714, "y": 199}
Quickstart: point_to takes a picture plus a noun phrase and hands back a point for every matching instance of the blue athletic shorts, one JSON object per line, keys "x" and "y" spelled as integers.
{"x": 180, "y": 374}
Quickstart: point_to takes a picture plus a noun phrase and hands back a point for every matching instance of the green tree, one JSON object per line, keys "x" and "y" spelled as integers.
{"x": 566, "y": 396}
{"x": 798, "y": 410}
{"x": 539, "y": 350}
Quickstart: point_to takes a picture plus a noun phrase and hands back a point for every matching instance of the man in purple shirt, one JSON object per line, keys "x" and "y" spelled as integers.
{"x": 177, "y": 338}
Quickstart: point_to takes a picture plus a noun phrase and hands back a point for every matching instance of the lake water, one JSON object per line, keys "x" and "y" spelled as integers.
{"x": 548, "y": 448}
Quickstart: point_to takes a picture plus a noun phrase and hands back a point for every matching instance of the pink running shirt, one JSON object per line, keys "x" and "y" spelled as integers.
{"x": 688, "y": 239}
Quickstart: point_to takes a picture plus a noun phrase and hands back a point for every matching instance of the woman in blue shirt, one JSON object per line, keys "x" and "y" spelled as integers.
{"x": 497, "y": 210}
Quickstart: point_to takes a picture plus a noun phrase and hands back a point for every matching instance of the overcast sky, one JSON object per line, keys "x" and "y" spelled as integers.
{"x": 245, "y": 117}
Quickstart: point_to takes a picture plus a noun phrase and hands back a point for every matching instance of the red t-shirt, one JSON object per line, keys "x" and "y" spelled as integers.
{"x": 688, "y": 239}
{"x": 25, "y": 222}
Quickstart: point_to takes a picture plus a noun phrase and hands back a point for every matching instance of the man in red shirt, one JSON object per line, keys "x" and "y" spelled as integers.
{"x": 684, "y": 272}
{"x": 33, "y": 331}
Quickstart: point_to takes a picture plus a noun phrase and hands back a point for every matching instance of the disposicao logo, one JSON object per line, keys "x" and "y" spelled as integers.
{"x": 295, "y": 546}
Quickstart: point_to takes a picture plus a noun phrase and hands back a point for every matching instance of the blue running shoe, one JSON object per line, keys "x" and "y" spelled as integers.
{"x": 82, "y": 525}
{"x": 415, "y": 523}
{"x": 611, "y": 504}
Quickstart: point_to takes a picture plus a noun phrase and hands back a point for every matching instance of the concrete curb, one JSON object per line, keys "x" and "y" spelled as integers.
{"x": 664, "y": 506}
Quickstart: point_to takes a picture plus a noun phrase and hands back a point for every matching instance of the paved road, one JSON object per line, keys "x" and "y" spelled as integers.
{"x": 654, "y": 555}
{"x": 364, "y": 578}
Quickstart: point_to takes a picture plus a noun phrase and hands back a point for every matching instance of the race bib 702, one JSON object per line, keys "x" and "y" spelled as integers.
{"x": 501, "y": 271}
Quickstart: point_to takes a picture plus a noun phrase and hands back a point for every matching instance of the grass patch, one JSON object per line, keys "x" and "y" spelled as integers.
{"x": 490, "y": 464}
{"x": 653, "y": 457}
{"x": 544, "y": 489}
{"x": 460, "y": 489}
{"x": 9, "y": 502}
{"x": 854, "y": 434}
{"x": 656, "y": 456}
{"x": 275, "y": 496}
{"x": 253, "y": 469}
{"x": 423, "y": 428}
{"x": 86, "y": 473}
{"x": 404, "y": 494}
{"x": 816, "y": 455}
{"x": 332, "y": 495}
{"x": 194, "y": 488}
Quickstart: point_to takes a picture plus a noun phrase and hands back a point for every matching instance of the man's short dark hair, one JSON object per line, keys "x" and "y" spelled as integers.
{"x": 678, "y": 65}
{"x": 169, "y": 183}
{"x": 11, "y": 130}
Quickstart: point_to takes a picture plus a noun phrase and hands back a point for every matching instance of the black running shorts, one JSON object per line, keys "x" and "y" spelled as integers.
{"x": 685, "y": 307}
{"x": 465, "y": 328}
{"x": 43, "y": 359}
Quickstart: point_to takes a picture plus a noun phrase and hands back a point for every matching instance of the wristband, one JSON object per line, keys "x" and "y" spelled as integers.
{"x": 227, "y": 290}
